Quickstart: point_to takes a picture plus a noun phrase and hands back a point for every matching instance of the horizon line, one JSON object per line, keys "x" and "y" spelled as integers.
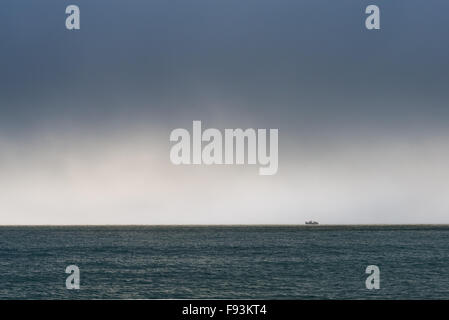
{"x": 224, "y": 225}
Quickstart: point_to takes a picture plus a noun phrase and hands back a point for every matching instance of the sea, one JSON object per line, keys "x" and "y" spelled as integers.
{"x": 225, "y": 262}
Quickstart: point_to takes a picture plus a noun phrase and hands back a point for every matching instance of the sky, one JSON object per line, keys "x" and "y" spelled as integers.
{"x": 86, "y": 115}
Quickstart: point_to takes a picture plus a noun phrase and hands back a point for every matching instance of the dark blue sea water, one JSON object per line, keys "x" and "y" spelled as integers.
{"x": 263, "y": 262}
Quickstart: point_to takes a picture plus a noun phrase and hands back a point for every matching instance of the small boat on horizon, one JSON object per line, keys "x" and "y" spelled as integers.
{"x": 312, "y": 222}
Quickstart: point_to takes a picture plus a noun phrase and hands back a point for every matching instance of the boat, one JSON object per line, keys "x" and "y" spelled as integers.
{"x": 312, "y": 222}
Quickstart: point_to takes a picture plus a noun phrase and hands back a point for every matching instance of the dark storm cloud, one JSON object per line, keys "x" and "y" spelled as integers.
{"x": 297, "y": 64}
